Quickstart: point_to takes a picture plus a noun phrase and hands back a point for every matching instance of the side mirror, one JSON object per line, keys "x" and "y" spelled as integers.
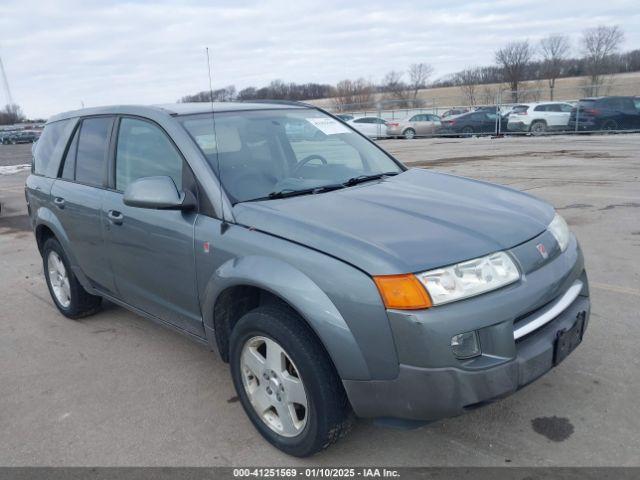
{"x": 158, "y": 193}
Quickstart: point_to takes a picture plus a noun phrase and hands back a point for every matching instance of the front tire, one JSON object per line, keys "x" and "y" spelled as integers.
{"x": 72, "y": 300}
{"x": 287, "y": 383}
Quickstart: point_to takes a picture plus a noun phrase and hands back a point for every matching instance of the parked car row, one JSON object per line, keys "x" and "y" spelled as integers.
{"x": 15, "y": 137}
{"x": 589, "y": 114}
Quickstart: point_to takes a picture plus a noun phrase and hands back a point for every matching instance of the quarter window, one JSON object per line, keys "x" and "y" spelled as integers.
{"x": 49, "y": 148}
{"x": 145, "y": 151}
{"x": 92, "y": 150}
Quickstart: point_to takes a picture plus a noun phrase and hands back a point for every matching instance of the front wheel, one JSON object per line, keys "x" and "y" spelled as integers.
{"x": 286, "y": 382}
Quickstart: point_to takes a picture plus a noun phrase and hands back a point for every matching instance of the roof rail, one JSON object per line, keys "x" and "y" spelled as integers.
{"x": 279, "y": 102}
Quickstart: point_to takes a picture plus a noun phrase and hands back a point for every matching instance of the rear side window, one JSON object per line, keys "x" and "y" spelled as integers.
{"x": 541, "y": 108}
{"x": 92, "y": 150}
{"x": 520, "y": 109}
{"x": 145, "y": 151}
{"x": 49, "y": 148}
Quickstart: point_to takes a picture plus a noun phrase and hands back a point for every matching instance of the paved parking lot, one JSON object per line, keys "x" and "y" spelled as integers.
{"x": 115, "y": 389}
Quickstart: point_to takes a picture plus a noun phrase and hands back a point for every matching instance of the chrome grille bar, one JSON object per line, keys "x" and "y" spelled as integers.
{"x": 552, "y": 312}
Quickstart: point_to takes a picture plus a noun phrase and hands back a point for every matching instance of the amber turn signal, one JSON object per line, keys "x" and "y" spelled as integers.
{"x": 402, "y": 292}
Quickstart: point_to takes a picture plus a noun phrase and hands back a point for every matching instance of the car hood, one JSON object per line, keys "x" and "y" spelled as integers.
{"x": 415, "y": 221}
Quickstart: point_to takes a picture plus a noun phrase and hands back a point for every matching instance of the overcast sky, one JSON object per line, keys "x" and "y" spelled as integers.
{"x": 58, "y": 54}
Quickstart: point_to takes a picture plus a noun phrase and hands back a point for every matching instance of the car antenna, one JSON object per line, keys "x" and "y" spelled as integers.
{"x": 224, "y": 225}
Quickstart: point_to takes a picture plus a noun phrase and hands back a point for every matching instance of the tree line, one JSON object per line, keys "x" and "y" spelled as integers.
{"x": 549, "y": 60}
{"x": 520, "y": 61}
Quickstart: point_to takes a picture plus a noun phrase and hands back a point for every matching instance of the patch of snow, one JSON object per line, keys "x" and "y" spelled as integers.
{"x": 13, "y": 169}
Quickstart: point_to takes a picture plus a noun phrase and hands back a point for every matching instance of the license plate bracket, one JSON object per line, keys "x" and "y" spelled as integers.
{"x": 568, "y": 339}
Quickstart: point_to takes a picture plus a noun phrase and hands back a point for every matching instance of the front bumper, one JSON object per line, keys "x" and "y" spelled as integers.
{"x": 516, "y": 327}
{"x": 434, "y": 393}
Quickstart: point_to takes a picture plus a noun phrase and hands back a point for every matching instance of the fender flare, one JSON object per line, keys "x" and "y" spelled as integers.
{"x": 45, "y": 217}
{"x": 302, "y": 294}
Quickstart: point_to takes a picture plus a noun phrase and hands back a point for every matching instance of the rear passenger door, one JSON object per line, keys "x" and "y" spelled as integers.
{"x": 151, "y": 251}
{"x": 77, "y": 197}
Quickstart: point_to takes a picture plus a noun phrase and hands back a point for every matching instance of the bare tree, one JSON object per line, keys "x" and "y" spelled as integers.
{"x": 395, "y": 90}
{"x": 599, "y": 45}
{"x": 419, "y": 73}
{"x": 11, "y": 114}
{"x": 352, "y": 95}
{"x": 469, "y": 80}
{"x": 554, "y": 50}
{"x": 514, "y": 59}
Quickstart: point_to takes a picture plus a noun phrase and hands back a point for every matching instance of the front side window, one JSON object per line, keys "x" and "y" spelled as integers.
{"x": 92, "y": 150}
{"x": 261, "y": 152}
{"x": 144, "y": 150}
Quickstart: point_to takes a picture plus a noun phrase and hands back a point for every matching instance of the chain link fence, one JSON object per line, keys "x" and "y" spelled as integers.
{"x": 601, "y": 107}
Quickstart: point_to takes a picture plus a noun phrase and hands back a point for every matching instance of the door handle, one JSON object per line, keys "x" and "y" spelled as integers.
{"x": 115, "y": 217}
{"x": 59, "y": 202}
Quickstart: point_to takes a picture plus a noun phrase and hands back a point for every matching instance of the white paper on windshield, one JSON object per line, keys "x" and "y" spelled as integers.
{"x": 328, "y": 125}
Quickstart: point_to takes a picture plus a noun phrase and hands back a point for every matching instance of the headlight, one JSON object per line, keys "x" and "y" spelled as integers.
{"x": 469, "y": 278}
{"x": 560, "y": 230}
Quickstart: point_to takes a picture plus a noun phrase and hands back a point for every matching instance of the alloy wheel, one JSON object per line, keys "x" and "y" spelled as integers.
{"x": 59, "y": 279}
{"x": 274, "y": 386}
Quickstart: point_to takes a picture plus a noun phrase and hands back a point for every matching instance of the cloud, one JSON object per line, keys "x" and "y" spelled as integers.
{"x": 61, "y": 53}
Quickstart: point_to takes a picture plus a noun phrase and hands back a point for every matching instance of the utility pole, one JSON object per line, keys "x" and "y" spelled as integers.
{"x": 5, "y": 83}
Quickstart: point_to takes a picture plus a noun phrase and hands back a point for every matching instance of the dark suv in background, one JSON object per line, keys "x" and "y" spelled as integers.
{"x": 606, "y": 113}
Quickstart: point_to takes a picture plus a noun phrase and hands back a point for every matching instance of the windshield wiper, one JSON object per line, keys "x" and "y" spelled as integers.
{"x": 288, "y": 192}
{"x": 365, "y": 178}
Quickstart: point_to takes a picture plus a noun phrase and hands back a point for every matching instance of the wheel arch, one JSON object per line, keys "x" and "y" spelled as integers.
{"x": 240, "y": 285}
{"x": 47, "y": 225}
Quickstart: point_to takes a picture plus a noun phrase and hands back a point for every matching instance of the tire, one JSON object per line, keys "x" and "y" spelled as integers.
{"x": 538, "y": 127}
{"x": 327, "y": 416}
{"x": 409, "y": 134}
{"x": 610, "y": 125}
{"x": 70, "y": 297}
{"x": 468, "y": 130}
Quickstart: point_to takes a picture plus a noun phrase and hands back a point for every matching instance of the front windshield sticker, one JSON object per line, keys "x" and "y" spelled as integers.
{"x": 327, "y": 125}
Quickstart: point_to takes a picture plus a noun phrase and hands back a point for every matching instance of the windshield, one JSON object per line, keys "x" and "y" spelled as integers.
{"x": 263, "y": 153}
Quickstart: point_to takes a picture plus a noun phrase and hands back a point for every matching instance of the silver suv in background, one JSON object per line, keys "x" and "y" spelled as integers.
{"x": 335, "y": 281}
{"x": 539, "y": 118}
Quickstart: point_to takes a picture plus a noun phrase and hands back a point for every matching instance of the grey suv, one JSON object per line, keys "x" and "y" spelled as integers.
{"x": 334, "y": 280}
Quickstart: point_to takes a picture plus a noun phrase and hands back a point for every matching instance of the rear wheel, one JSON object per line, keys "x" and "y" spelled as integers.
{"x": 70, "y": 297}
{"x": 468, "y": 130}
{"x": 538, "y": 127}
{"x": 409, "y": 133}
{"x": 610, "y": 125}
{"x": 286, "y": 382}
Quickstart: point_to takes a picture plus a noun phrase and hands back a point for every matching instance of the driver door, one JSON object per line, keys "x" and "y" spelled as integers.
{"x": 151, "y": 252}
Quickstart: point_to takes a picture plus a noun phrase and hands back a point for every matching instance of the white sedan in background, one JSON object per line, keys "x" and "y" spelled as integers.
{"x": 372, "y": 127}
